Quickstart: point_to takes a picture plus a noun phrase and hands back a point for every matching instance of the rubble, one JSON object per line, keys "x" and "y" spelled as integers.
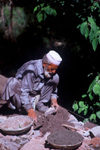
{"x": 36, "y": 137}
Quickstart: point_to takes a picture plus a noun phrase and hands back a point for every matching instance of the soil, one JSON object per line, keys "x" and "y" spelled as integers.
{"x": 53, "y": 122}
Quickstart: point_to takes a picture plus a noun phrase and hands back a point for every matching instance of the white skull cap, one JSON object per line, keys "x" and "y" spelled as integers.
{"x": 53, "y": 57}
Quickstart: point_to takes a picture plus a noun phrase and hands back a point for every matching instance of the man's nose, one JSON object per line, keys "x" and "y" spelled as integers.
{"x": 53, "y": 71}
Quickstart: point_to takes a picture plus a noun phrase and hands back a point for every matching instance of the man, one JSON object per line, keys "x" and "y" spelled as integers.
{"x": 34, "y": 86}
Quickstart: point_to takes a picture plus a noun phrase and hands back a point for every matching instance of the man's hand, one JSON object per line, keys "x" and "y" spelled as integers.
{"x": 54, "y": 104}
{"x": 32, "y": 114}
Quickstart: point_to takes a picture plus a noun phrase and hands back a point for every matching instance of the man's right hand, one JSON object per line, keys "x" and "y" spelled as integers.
{"x": 32, "y": 114}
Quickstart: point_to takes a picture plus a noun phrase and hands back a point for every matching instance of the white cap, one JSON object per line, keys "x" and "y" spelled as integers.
{"x": 53, "y": 57}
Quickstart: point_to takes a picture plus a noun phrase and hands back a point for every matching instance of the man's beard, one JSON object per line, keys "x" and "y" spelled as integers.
{"x": 48, "y": 74}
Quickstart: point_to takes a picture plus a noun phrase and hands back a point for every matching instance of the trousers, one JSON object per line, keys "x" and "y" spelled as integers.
{"x": 10, "y": 92}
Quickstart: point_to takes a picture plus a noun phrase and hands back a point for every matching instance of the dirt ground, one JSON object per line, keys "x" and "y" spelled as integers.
{"x": 53, "y": 124}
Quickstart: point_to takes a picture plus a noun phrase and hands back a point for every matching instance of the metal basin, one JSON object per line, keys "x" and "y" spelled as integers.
{"x": 52, "y": 139}
{"x": 16, "y": 125}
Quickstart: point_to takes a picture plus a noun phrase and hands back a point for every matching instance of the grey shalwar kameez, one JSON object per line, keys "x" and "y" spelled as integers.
{"x": 28, "y": 83}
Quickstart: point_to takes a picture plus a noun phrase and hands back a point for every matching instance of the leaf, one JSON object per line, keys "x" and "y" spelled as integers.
{"x": 35, "y": 9}
{"x": 91, "y": 86}
{"x": 99, "y": 39}
{"x": 98, "y": 114}
{"x": 96, "y": 89}
{"x": 97, "y": 104}
{"x": 91, "y": 35}
{"x": 92, "y": 117}
{"x": 75, "y": 106}
{"x": 91, "y": 1}
{"x": 98, "y": 33}
{"x": 39, "y": 17}
{"x": 92, "y": 23}
{"x": 42, "y": 5}
{"x": 78, "y": 27}
{"x": 97, "y": 77}
{"x": 86, "y": 120}
{"x": 81, "y": 104}
{"x": 84, "y": 29}
{"x": 96, "y": 5}
{"x": 80, "y": 110}
{"x": 50, "y": 11}
{"x": 94, "y": 44}
{"x": 90, "y": 96}
{"x": 84, "y": 95}
{"x": 44, "y": 17}
{"x": 85, "y": 111}
{"x": 86, "y": 32}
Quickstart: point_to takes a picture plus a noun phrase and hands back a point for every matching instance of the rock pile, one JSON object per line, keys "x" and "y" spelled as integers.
{"x": 36, "y": 137}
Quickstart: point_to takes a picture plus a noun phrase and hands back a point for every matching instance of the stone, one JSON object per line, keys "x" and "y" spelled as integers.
{"x": 95, "y": 142}
{"x": 36, "y": 144}
{"x": 95, "y": 131}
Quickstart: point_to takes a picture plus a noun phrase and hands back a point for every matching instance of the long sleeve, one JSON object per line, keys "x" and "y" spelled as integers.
{"x": 26, "y": 89}
{"x": 54, "y": 94}
{"x": 55, "y": 88}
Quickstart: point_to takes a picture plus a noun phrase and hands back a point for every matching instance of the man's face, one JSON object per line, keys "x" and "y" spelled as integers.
{"x": 49, "y": 70}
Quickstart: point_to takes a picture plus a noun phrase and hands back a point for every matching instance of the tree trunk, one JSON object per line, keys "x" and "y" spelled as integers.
{"x": 11, "y": 21}
{"x": 2, "y": 17}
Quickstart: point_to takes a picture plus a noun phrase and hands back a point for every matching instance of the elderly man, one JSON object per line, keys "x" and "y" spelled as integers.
{"x": 34, "y": 86}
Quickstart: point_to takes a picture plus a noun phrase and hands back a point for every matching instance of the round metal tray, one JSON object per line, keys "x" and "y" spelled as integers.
{"x": 68, "y": 147}
{"x": 16, "y": 131}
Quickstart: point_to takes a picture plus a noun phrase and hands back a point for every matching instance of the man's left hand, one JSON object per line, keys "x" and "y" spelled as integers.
{"x": 54, "y": 104}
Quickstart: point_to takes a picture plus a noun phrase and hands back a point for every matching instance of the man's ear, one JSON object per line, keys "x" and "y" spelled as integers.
{"x": 44, "y": 64}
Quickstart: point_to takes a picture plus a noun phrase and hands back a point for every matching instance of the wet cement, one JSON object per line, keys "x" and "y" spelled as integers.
{"x": 65, "y": 137}
{"x": 53, "y": 122}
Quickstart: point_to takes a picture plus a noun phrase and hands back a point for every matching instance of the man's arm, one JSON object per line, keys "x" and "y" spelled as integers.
{"x": 25, "y": 90}
{"x": 54, "y": 95}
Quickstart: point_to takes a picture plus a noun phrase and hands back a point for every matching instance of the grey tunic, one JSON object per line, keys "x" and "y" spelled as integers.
{"x": 29, "y": 82}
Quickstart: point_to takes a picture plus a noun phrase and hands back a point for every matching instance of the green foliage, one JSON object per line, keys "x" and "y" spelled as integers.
{"x": 88, "y": 26}
{"x": 92, "y": 117}
{"x": 95, "y": 6}
{"x": 19, "y": 21}
{"x": 89, "y": 105}
{"x": 75, "y": 106}
{"x": 98, "y": 114}
{"x": 42, "y": 12}
{"x": 90, "y": 30}
{"x": 80, "y": 107}
{"x": 84, "y": 29}
{"x": 5, "y": 17}
{"x": 96, "y": 88}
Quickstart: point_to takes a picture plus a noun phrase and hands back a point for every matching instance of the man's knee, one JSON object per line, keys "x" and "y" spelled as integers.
{"x": 3, "y": 82}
